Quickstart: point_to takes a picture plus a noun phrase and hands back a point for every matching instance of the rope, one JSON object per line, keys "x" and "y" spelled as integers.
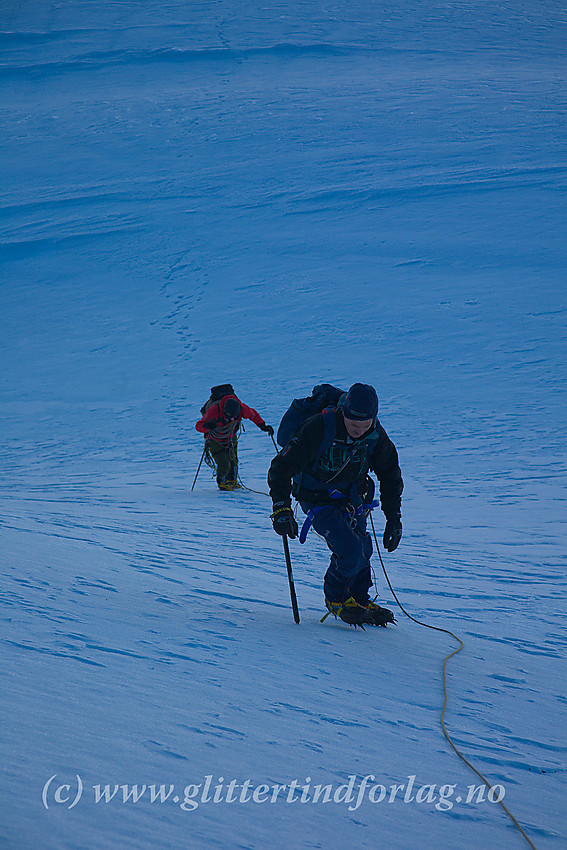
{"x": 250, "y": 490}
{"x": 445, "y": 660}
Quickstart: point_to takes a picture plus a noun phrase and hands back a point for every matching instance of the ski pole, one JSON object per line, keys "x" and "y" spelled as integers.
{"x": 199, "y": 467}
{"x": 274, "y": 442}
{"x": 290, "y": 579}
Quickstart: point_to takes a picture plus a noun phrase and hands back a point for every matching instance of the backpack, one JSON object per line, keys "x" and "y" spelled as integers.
{"x": 323, "y": 396}
{"x": 217, "y": 393}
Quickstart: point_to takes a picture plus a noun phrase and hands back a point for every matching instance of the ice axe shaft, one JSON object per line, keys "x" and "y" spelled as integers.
{"x": 290, "y": 579}
{"x": 199, "y": 467}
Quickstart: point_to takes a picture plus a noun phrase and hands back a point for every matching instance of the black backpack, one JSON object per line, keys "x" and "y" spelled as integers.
{"x": 323, "y": 396}
{"x": 217, "y": 393}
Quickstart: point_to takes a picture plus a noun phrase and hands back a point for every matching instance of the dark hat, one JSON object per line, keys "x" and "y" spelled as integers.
{"x": 361, "y": 402}
{"x": 231, "y": 408}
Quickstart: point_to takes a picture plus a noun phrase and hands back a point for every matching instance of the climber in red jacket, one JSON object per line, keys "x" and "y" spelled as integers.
{"x": 220, "y": 423}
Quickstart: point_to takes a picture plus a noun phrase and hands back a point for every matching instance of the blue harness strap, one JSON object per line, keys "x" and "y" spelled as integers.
{"x": 309, "y": 522}
{"x": 312, "y": 513}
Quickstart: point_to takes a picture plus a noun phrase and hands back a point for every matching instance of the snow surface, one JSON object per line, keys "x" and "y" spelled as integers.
{"x": 279, "y": 195}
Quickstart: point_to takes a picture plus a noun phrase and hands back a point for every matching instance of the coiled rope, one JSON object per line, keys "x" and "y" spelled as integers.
{"x": 445, "y": 660}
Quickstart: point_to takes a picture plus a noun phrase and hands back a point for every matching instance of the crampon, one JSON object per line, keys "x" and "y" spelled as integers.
{"x": 355, "y": 614}
{"x": 229, "y": 485}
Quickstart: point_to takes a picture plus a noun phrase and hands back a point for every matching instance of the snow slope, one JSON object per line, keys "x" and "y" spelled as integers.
{"x": 277, "y": 196}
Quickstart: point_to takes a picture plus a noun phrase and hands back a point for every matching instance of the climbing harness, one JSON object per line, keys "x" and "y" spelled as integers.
{"x": 335, "y": 494}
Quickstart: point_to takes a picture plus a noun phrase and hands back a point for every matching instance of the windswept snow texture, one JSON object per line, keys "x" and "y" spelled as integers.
{"x": 276, "y": 195}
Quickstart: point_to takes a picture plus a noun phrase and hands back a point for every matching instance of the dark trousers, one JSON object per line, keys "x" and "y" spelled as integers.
{"x": 351, "y": 547}
{"x": 226, "y": 458}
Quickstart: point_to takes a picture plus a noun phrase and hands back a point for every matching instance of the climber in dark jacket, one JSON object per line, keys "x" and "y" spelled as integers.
{"x": 326, "y": 465}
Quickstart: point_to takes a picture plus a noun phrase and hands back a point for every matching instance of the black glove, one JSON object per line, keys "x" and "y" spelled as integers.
{"x": 267, "y": 428}
{"x": 283, "y": 520}
{"x": 212, "y": 423}
{"x": 392, "y": 534}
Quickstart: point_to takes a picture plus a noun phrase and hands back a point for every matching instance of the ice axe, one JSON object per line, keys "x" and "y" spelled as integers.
{"x": 290, "y": 579}
{"x": 199, "y": 467}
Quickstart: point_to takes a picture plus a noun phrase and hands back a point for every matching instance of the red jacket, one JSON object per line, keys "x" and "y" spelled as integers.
{"x": 224, "y": 431}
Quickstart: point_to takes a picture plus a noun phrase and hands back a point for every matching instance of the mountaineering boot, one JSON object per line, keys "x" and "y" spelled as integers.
{"x": 355, "y": 614}
{"x": 349, "y": 611}
{"x": 229, "y": 485}
{"x": 377, "y": 616}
